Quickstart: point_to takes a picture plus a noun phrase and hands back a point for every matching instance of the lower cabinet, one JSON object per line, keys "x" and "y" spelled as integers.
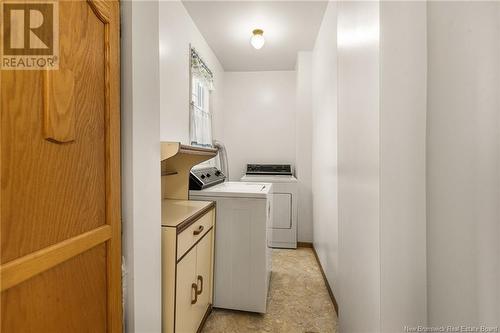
{"x": 187, "y": 259}
{"x": 194, "y": 281}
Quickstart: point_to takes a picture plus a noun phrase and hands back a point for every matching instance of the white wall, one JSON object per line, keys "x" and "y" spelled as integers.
{"x": 259, "y": 119}
{"x": 324, "y": 146}
{"x": 140, "y": 109}
{"x": 303, "y": 152}
{"x": 359, "y": 166}
{"x": 303, "y": 144}
{"x": 369, "y": 102}
{"x": 464, "y": 163}
{"x": 403, "y": 69}
{"x": 177, "y": 31}
{"x": 382, "y": 262}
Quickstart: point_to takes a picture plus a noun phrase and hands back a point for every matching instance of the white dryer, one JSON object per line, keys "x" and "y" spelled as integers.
{"x": 283, "y": 233}
{"x": 242, "y": 256}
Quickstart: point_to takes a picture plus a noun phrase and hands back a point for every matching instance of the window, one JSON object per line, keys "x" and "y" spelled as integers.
{"x": 201, "y": 118}
{"x": 200, "y": 113}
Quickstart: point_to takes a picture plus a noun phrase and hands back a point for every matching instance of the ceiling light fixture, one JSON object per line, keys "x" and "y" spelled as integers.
{"x": 257, "y": 39}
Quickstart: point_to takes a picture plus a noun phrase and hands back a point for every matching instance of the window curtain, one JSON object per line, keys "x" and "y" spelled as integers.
{"x": 201, "y": 71}
{"x": 202, "y": 84}
{"x": 201, "y": 126}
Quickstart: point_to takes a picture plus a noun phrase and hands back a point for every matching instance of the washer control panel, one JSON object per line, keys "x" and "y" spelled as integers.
{"x": 206, "y": 177}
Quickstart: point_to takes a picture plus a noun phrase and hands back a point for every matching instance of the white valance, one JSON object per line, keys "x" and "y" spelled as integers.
{"x": 200, "y": 70}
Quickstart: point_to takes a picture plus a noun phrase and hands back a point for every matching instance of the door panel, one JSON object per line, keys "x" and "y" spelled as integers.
{"x": 76, "y": 304}
{"x": 184, "y": 310}
{"x": 203, "y": 269}
{"x": 60, "y": 181}
{"x": 54, "y": 178}
{"x": 282, "y": 218}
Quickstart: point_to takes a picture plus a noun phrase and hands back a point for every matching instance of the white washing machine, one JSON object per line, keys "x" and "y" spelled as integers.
{"x": 285, "y": 201}
{"x": 242, "y": 255}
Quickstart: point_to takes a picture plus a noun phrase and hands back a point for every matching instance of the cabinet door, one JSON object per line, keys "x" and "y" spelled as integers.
{"x": 282, "y": 218}
{"x": 185, "y": 316}
{"x": 204, "y": 271}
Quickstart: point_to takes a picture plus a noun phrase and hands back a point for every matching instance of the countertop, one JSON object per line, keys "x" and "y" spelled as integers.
{"x": 175, "y": 212}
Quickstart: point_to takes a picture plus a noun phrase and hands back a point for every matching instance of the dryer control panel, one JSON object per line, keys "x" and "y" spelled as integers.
{"x": 269, "y": 169}
{"x": 200, "y": 179}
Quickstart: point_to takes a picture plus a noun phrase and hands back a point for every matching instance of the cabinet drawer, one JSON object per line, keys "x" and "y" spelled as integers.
{"x": 189, "y": 236}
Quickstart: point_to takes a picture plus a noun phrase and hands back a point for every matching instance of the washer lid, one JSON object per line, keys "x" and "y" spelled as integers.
{"x": 269, "y": 178}
{"x": 235, "y": 190}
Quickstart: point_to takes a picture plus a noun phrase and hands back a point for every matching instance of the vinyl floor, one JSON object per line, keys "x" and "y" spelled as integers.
{"x": 298, "y": 301}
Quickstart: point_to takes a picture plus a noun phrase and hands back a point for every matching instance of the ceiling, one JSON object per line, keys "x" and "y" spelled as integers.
{"x": 289, "y": 27}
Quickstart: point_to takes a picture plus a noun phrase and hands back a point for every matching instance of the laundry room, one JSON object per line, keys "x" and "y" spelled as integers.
{"x": 303, "y": 147}
{"x": 235, "y": 91}
{"x": 239, "y": 166}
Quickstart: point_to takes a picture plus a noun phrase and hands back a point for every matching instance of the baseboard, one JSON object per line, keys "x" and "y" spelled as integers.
{"x": 334, "y": 301}
{"x": 305, "y": 244}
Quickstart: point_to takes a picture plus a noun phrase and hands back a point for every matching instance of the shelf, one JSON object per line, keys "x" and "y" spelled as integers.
{"x": 176, "y": 162}
{"x": 171, "y": 149}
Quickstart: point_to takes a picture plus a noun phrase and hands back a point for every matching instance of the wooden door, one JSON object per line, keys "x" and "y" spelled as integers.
{"x": 60, "y": 182}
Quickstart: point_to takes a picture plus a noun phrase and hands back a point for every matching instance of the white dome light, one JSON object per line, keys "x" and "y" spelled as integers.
{"x": 258, "y": 39}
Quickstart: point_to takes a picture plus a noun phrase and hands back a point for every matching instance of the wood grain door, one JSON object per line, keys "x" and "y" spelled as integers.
{"x": 60, "y": 182}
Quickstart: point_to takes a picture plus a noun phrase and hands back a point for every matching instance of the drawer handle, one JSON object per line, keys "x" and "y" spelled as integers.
{"x": 194, "y": 288}
{"x": 199, "y": 230}
{"x": 200, "y": 279}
